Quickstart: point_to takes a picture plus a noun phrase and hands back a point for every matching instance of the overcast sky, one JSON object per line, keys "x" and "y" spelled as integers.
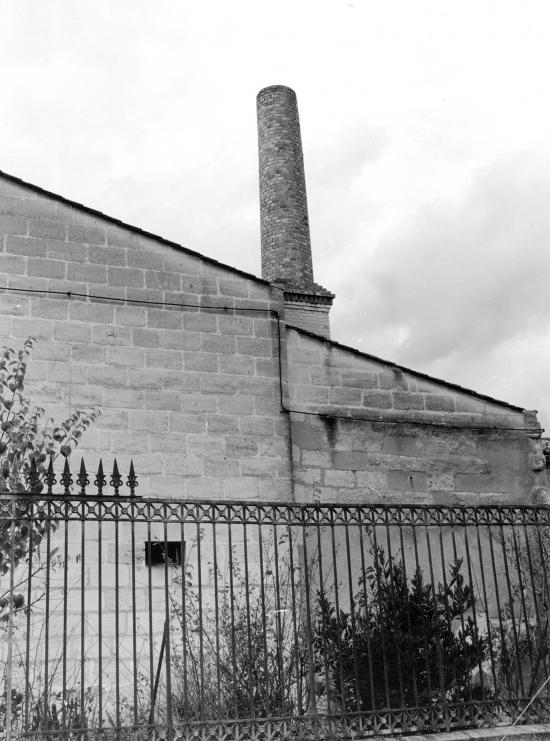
{"x": 426, "y": 132}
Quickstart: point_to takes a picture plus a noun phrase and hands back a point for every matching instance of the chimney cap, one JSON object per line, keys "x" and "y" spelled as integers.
{"x": 276, "y": 88}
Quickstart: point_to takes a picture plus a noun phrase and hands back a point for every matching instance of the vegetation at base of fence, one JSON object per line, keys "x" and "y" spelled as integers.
{"x": 403, "y": 630}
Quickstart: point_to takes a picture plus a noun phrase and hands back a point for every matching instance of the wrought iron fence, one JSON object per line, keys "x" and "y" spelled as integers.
{"x": 142, "y": 618}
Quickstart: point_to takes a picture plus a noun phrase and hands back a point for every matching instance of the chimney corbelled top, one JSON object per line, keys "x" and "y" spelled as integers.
{"x": 286, "y": 246}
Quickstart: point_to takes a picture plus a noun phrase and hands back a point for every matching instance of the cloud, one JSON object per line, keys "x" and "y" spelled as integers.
{"x": 461, "y": 280}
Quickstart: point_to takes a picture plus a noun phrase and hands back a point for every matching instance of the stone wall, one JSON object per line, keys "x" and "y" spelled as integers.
{"x": 191, "y": 394}
{"x": 377, "y": 433}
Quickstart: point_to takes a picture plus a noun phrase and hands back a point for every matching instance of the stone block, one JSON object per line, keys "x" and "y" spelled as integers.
{"x": 44, "y": 227}
{"x": 45, "y": 268}
{"x": 124, "y": 398}
{"x": 377, "y": 399}
{"x": 200, "y": 321}
{"x": 444, "y": 481}
{"x": 438, "y": 403}
{"x": 133, "y": 316}
{"x": 353, "y": 461}
{"x": 308, "y": 435}
{"x": 171, "y": 359}
{"x": 392, "y": 379}
{"x": 317, "y": 458}
{"x": 131, "y": 357}
{"x": 224, "y": 424}
{"x": 108, "y": 335}
{"x": 170, "y": 400}
{"x": 241, "y": 488}
{"x": 359, "y": 379}
{"x": 15, "y": 305}
{"x": 26, "y": 246}
{"x": 66, "y": 373}
{"x": 339, "y": 478}
{"x": 13, "y": 264}
{"x": 199, "y": 403}
{"x": 208, "y": 487}
{"x": 151, "y": 421}
{"x": 107, "y": 377}
{"x": 402, "y": 400}
{"x": 217, "y": 343}
{"x": 219, "y": 384}
{"x": 198, "y": 361}
{"x": 13, "y": 224}
{"x": 107, "y": 255}
{"x": 162, "y": 280}
{"x": 96, "y": 313}
{"x": 177, "y": 340}
{"x": 86, "y": 273}
{"x": 346, "y": 397}
{"x": 256, "y": 346}
{"x": 164, "y": 319}
{"x": 241, "y": 447}
{"x": 407, "y": 480}
{"x": 49, "y": 308}
{"x": 237, "y": 404}
{"x": 221, "y": 467}
{"x": 184, "y": 422}
{"x": 304, "y": 394}
{"x": 25, "y": 327}
{"x": 132, "y": 277}
{"x": 67, "y": 251}
{"x": 260, "y": 467}
{"x": 260, "y": 426}
{"x": 89, "y": 234}
{"x": 237, "y": 365}
{"x": 146, "y": 337}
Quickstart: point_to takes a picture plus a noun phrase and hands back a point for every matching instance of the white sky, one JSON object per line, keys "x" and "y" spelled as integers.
{"x": 426, "y": 131}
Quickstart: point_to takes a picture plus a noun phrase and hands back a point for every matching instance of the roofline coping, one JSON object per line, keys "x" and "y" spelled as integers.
{"x": 419, "y": 374}
{"x": 130, "y": 227}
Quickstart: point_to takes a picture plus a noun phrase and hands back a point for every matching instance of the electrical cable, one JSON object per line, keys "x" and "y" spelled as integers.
{"x": 276, "y": 314}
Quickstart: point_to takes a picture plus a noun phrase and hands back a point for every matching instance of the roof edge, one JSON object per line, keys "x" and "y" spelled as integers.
{"x": 419, "y": 374}
{"x": 130, "y": 227}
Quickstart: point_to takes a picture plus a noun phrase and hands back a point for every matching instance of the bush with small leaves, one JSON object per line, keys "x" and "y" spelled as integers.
{"x": 28, "y": 441}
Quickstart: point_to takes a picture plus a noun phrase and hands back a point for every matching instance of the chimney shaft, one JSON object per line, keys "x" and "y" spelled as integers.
{"x": 286, "y": 246}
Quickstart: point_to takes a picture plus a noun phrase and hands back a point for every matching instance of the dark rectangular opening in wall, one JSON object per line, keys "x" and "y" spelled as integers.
{"x": 159, "y": 552}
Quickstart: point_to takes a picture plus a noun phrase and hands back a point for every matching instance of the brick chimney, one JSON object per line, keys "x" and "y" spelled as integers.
{"x": 286, "y": 246}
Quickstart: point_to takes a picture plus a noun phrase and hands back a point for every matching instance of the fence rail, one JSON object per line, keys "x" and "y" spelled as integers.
{"x": 124, "y": 617}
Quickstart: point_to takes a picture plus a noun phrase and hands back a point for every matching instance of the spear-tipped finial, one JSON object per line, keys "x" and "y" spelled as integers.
{"x": 51, "y": 481}
{"x": 82, "y": 479}
{"x": 66, "y": 478}
{"x": 116, "y": 479}
{"x": 132, "y": 481}
{"x": 35, "y": 485}
{"x": 100, "y": 479}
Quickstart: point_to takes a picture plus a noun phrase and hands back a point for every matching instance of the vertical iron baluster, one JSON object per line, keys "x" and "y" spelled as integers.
{"x": 216, "y": 615}
{"x": 343, "y": 697}
{"x": 11, "y": 606}
{"x": 474, "y": 617}
{"x": 439, "y": 665}
{"x": 379, "y": 591}
{"x": 486, "y": 608}
{"x": 116, "y": 479}
{"x": 82, "y": 479}
{"x": 117, "y": 616}
{"x": 184, "y": 577}
{"x": 251, "y": 662}
{"x": 232, "y": 618}
{"x": 201, "y": 624}
{"x": 352, "y": 610}
{"x": 522, "y": 601}
{"x": 461, "y": 597}
{"x": 312, "y": 700}
{"x": 48, "y": 526}
{"x": 409, "y": 652}
{"x": 167, "y": 648}
{"x": 83, "y": 619}
{"x": 504, "y": 649}
{"x": 426, "y": 636}
{"x": 449, "y": 622}
{"x": 324, "y": 602}
{"x": 149, "y": 547}
{"x": 28, "y": 686}
{"x": 278, "y": 623}
{"x": 266, "y": 688}
{"x": 134, "y": 619}
{"x": 540, "y": 635}
{"x": 512, "y": 616}
{"x": 66, "y": 479}
{"x": 366, "y": 608}
{"x": 66, "y": 513}
{"x": 395, "y": 602}
{"x": 298, "y": 679}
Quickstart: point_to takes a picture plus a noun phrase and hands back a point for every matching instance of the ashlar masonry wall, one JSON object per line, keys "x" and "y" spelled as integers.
{"x": 191, "y": 394}
{"x": 376, "y": 433}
